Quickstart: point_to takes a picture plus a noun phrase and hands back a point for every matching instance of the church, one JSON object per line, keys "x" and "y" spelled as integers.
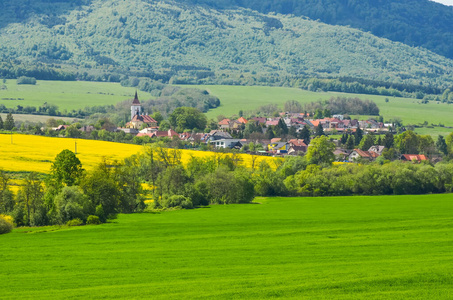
{"x": 137, "y": 118}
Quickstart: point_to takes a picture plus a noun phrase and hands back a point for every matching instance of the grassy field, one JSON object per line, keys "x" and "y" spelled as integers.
{"x": 67, "y": 94}
{"x": 235, "y": 98}
{"x": 79, "y": 94}
{"x": 397, "y": 247}
{"x": 37, "y": 118}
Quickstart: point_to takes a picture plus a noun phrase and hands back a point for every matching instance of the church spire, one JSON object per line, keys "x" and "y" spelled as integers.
{"x": 136, "y": 101}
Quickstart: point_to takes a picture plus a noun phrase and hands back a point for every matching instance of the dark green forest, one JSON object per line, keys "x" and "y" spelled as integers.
{"x": 419, "y": 23}
{"x": 176, "y": 42}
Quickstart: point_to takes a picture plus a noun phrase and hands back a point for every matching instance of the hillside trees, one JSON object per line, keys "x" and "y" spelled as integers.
{"x": 66, "y": 169}
{"x": 9, "y": 122}
{"x": 187, "y": 118}
{"x": 321, "y": 151}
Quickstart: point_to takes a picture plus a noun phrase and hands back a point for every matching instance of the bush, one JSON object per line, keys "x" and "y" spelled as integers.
{"x": 176, "y": 201}
{"x": 93, "y": 220}
{"x": 6, "y": 224}
{"x": 75, "y": 222}
{"x": 26, "y": 80}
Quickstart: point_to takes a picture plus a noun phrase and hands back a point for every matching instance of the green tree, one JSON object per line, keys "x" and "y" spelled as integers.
{"x": 426, "y": 144}
{"x": 305, "y": 134}
{"x": 31, "y": 195}
{"x": 158, "y": 117}
{"x": 367, "y": 142}
{"x": 441, "y": 145}
{"x": 71, "y": 204}
{"x": 293, "y": 106}
{"x": 7, "y": 202}
{"x": 319, "y": 130}
{"x": 9, "y": 122}
{"x": 321, "y": 151}
{"x": 1, "y": 123}
{"x": 187, "y": 118}
{"x": 73, "y": 132}
{"x": 350, "y": 143}
{"x": 358, "y": 136}
{"x": 102, "y": 188}
{"x": 388, "y": 140}
{"x": 407, "y": 142}
{"x": 66, "y": 169}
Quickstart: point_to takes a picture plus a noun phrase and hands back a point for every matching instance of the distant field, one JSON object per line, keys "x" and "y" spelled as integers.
{"x": 397, "y": 247}
{"x": 67, "y": 94}
{"x": 79, "y": 94}
{"x": 29, "y": 153}
{"x": 235, "y": 98}
{"x": 36, "y": 118}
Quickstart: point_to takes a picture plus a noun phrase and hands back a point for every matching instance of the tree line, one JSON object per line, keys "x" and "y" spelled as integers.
{"x": 71, "y": 195}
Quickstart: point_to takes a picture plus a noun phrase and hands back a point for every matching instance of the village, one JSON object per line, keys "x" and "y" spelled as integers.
{"x": 282, "y": 135}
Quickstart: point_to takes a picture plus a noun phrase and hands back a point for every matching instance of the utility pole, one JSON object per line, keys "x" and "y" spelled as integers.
{"x": 75, "y": 146}
{"x": 11, "y": 137}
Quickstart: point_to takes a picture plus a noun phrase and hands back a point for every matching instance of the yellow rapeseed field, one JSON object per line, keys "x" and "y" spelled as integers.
{"x": 31, "y": 153}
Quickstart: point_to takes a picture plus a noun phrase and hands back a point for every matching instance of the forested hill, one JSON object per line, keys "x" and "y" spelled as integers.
{"x": 416, "y": 22}
{"x": 180, "y": 41}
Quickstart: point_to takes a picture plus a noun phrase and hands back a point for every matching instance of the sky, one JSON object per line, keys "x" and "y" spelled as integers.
{"x": 446, "y": 2}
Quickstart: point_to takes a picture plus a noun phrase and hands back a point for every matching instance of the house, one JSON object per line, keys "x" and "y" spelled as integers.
{"x": 272, "y": 122}
{"x": 224, "y": 124}
{"x": 170, "y": 133}
{"x": 61, "y": 127}
{"x": 358, "y": 153}
{"x": 341, "y": 154}
{"x": 260, "y": 120}
{"x": 87, "y": 129}
{"x": 377, "y": 149}
{"x": 218, "y": 135}
{"x": 138, "y": 121}
{"x": 227, "y": 143}
{"x": 235, "y": 125}
{"x": 299, "y": 144}
{"x": 242, "y": 120}
{"x": 296, "y": 150}
{"x": 280, "y": 147}
{"x": 413, "y": 157}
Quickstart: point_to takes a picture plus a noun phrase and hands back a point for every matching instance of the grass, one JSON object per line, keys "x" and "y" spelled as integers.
{"x": 67, "y": 94}
{"x": 235, "y": 98}
{"x": 78, "y": 94}
{"x": 397, "y": 247}
{"x": 37, "y": 118}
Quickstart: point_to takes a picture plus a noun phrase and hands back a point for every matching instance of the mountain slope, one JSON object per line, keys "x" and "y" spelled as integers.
{"x": 416, "y": 23}
{"x": 188, "y": 40}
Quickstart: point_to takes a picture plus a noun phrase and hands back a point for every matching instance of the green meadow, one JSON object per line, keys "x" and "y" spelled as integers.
{"x": 66, "y": 94}
{"x": 394, "y": 247}
{"x": 235, "y": 98}
{"x": 79, "y": 94}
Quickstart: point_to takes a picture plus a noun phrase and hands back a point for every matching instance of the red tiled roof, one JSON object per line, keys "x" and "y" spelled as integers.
{"x": 298, "y": 143}
{"x": 412, "y": 157}
{"x": 224, "y": 122}
{"x": 143, "y": 118}
{"x": 366, "y": 154}
{"x": 242, "y": 120}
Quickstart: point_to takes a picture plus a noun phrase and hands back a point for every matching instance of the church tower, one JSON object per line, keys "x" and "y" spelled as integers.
{"x": 136, "y": 108}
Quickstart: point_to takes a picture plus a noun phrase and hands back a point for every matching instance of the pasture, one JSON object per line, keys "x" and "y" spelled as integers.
{"x": 67, "y": 94}
{"x": 79, "y": 94}
{"x": 394, "y": 247}
{"x": 235, "y": 98}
